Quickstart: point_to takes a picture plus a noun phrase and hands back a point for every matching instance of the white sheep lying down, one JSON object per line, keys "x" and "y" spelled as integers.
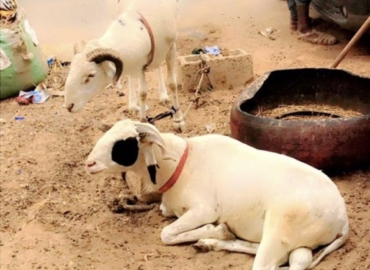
{"x": 138, "y": 40}
{"x": 230, "y": 196}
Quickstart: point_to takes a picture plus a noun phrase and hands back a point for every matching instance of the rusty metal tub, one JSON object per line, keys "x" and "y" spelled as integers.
{"x": 332, "y": 145}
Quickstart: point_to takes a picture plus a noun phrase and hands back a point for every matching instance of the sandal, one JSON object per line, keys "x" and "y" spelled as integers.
{"x": 316, "y": 37}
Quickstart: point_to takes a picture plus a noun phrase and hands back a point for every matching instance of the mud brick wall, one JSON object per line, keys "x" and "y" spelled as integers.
{"x": 226, "y": 71}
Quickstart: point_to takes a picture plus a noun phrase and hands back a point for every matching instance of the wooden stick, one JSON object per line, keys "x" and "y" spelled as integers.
{"x": 352, "y": 42}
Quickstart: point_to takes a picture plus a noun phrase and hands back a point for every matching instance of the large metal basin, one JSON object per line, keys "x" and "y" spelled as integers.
{"x": 332, "y": 145}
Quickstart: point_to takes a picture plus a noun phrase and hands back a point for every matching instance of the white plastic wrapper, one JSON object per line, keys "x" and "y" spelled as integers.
{"x": 39, "y": 96}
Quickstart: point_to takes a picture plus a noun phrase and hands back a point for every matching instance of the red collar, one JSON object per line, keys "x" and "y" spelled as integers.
{"x": 152, "y": 43}
{"x": 177, "y": 172}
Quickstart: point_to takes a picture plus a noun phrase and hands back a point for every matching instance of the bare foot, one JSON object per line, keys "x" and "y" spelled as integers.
{"x": 316, "y": 37}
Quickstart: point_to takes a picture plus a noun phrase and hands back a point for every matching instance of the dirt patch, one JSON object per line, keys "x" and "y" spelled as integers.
{"x": 55, "y": 216}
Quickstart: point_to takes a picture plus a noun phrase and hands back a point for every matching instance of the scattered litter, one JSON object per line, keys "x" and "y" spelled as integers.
{"x": 23, "y": 100}
{"x": 58, "y": 72}
{"x": 50, "y": 61}
{"x": 197, "y": 51}
{"x": 49, "y": 91}
{"x": 209, "y": 128}
{"x": 35, "y": 96}
{"x": 269, "y": 33}
{"x": 212, "y": 50}
{"x": 18, "y": 118}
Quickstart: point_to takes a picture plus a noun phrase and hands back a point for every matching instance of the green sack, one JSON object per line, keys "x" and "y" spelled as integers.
{"x": 22, "y": 63}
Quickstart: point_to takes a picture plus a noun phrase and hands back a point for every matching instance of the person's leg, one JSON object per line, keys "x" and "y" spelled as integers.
{"x": 304, "y": 21}
{"x": 293, "y": 14}
{"x": 304, "y": 27}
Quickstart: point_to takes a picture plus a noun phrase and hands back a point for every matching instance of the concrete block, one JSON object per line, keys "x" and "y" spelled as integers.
{"x": 226, "y": 71}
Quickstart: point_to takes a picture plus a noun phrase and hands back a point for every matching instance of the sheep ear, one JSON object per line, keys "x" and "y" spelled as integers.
{"x": 125, "y": 152}
{"x": 152, "y": 170}
{"x": 150, "y": 161}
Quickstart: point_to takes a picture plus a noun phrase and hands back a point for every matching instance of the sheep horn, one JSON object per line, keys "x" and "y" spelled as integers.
{"x": 79, "y": 46}
{"x": 148, "y": 133}
{"x": 100, "y": 55}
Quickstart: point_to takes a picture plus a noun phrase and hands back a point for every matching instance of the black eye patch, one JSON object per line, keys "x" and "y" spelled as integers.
{"x": 125, "y": 152}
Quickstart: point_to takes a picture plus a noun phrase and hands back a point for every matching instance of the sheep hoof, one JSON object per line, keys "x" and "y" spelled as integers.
{"x": 227, "y": 235}
{"x": 150, "y": 197}
{"x": 201, "y": 246}
{"x": 143, "y": 120}
{"x": 133, "y": 109}
{"x": 179, "y": 125}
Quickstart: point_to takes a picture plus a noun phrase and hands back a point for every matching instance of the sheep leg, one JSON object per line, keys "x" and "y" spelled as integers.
{"x": 143, "y": 95}
{"x": 274, "y": 249}
{"x": 237, "y": 245}
{"x": 166, "y": 212}
{"x": 271, "y": 254}
{"x": 299, "y": 259}
{"x": 178, "y": 119}
{"x": 162, "y": 90}
{"x": 144, "y": 193}
{"x": 188, "y": 228}
{"x": 128, "y": 203}
{"x": 132, "y": 98}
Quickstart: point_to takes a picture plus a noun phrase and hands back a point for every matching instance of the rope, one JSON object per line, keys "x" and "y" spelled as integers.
{"x": 204, "y": 70}
{"x": 160, "y": 116}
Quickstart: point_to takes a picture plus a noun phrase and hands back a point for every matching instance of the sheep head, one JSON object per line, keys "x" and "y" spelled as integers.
{"x": 119, "y": 148}
{"x": 89, "y": 74}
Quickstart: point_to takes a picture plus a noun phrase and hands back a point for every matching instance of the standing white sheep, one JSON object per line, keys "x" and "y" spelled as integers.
{"x": 279, "y": 208}
{"x": 133, "y": 107}
{"x": 140, "y": 39}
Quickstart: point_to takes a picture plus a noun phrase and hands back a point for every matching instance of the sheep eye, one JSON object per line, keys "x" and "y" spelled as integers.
{"x": 87, "y": 79}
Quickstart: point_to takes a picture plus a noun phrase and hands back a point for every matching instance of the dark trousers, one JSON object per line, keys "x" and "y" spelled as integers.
{"x": 292, "y": 5}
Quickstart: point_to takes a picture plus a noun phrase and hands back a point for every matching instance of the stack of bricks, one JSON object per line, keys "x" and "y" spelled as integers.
{"x": 226, "y": 71}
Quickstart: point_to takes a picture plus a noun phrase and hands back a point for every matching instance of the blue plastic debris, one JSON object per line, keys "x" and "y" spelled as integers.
{"x": 50, "y": 61}
{"x": 212, "y": 50}
{"x": 18, "y": 118}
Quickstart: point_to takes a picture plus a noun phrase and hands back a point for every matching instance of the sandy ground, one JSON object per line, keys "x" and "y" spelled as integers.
{"x": 55, "y": 216}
